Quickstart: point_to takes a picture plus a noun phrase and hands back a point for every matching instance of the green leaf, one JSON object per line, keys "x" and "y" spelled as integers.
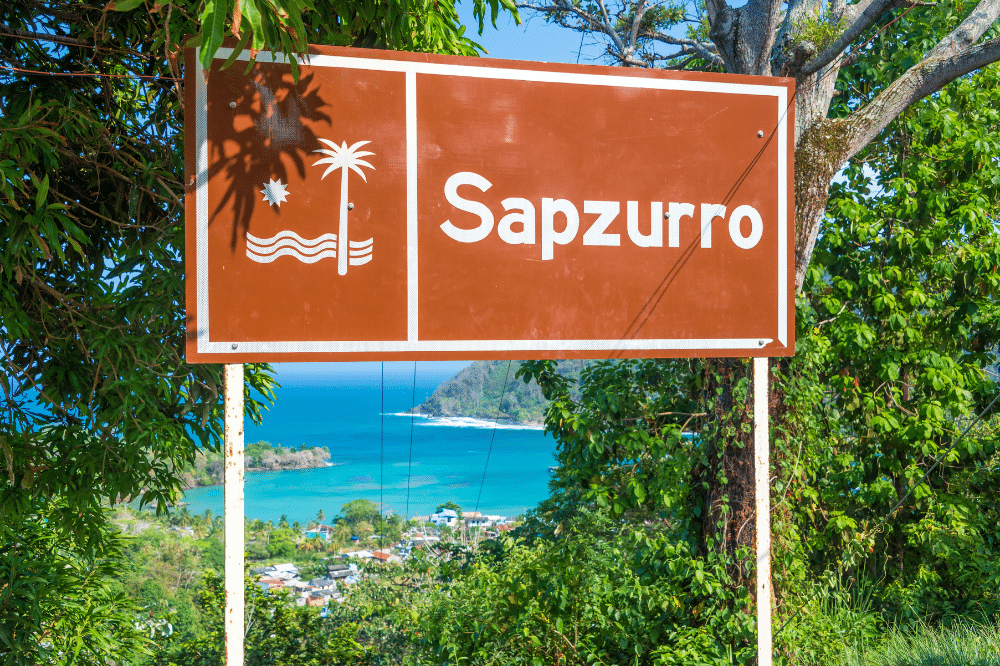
{"x": 213, "y": 27}
{"x": 43, "y": 191}
{"x": 125, "y": 5}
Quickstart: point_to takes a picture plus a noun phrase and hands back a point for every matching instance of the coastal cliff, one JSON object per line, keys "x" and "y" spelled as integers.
{"x": 208, "y": 467}
{"x": 476, "y": 391}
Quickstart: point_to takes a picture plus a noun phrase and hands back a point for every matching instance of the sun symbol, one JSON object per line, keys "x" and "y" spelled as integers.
{"x": 275, "y": 193}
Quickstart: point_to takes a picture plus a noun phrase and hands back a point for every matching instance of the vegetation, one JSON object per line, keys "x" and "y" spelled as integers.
{"x": 962, "y": 644}
{"x": 97, "y": 401}
{"x": 477, "y": 390}
{"x": 207, "y": 469}
{"x": 885, "y": 510}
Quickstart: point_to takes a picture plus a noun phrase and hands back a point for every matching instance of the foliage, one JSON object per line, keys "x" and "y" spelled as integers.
{"x": 58, "y": 600}
{"x": 960, "y": 644}
{"x": 908, "y": 274}
{"x": 359, "y": 510}
{"x": 600, "y": 592}
{"x": 277, "y": 633}
{"x": 98, "y": 403}
{"x": 486, "y": 390}
{"x": 450, "y": 505}
{"x": 288, "y": 26}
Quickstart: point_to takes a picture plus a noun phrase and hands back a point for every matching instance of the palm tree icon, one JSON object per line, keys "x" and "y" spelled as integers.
{"x": 344, "y": 157}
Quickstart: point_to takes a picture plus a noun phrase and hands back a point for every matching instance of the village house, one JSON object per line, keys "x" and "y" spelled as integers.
{"x": 385, "y": 556}
{"x": 336, "y": 571}
{"x": 271, "y": 583}
{"x": 444, "y": 517}
{"x": 322, "y": 583}
{"x": 424, "y": 541}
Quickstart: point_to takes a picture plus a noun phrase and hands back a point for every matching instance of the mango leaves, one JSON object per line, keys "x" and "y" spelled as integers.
{"x": 288, "y": 26}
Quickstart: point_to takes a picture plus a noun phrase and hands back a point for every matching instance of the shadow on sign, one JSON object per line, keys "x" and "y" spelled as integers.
{"x": 255, "y": 127}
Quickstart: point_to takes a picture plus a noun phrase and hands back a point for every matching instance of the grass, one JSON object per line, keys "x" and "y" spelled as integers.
{"x": 960, "y": 644}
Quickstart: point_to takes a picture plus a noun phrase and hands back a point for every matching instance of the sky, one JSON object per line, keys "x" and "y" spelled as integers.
{"x": 534, "y": 39}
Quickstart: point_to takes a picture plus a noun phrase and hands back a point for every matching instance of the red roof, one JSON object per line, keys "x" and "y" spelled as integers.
{"x": 382, "y": 556}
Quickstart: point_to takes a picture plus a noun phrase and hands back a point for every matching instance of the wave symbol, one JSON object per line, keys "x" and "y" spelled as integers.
{"x": 306, "y": 250}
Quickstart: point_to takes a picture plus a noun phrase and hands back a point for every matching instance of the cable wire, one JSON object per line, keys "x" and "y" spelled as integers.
{"x": 496, "y": 420}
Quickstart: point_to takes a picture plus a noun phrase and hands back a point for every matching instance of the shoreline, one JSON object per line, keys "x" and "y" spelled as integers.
{"x": 222, "y": 482}
{"x": 456, "y": 421}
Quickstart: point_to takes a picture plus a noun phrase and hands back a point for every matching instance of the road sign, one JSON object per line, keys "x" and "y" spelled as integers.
{"x": 409, "y": 206}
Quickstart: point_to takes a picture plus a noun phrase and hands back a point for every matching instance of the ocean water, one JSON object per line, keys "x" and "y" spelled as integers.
{"x": 408, "y": 465}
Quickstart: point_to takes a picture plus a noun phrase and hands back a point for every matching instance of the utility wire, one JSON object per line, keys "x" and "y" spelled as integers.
{"x": 496, "y": 420}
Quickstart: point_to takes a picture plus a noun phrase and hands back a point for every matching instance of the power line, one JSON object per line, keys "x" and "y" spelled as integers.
{"x": 493, "y": 436}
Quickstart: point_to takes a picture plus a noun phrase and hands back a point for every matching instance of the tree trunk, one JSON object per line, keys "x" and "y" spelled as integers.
{"x": 728, "y": 525}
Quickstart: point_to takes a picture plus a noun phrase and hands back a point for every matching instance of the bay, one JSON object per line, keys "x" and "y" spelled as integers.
{"x": 407, "y": 465}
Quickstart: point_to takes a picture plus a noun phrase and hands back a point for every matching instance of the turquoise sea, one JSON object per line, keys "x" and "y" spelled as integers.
{"x": 361, "y": 418}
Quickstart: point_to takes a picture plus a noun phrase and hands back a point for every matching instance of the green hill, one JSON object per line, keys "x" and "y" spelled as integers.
{"x": 475, "y": 392}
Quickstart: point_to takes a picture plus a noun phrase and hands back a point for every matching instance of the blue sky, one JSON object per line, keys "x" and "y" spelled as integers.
{"x": 534, "y": 39}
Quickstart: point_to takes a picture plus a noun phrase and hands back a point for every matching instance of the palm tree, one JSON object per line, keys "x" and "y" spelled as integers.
{"x": 342, "y": 157}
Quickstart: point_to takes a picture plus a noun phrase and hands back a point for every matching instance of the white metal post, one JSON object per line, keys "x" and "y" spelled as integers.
{"x": 762, "y": 484}
{"x": 234, "y": 514}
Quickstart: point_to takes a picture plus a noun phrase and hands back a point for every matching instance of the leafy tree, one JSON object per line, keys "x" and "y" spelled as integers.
{"x": 281, "y": 544}
{"x": 450, "y": 505}
{"x": 277, "y": 633}
{"x": 905, "y": 282}
{"x": 358, "y": 511}
{"x": 51, "y": 605}
{"x": 911, "y": 52}
{"x": 98, "y": 403}
{"x": 898, "y": 325}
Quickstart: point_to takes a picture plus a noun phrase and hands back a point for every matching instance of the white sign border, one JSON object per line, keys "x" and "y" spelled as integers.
{"x": 413, "y": 344}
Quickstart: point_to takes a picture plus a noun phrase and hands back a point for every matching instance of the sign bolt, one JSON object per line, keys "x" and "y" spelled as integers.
{"x": 232, "y": 105}
{"x": 760, "y": 134}
{"x": 350, "y": 206}
{"x": 235, "y": 345}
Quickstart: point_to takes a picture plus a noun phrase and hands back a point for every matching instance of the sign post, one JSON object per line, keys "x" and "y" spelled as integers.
{"x": 233, "y": 459}
{"x": 762, "y": 492}
{"x": 399, "y": 206}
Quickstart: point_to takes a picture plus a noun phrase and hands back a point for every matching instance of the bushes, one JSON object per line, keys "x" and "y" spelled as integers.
{"x": 599, "y": 592}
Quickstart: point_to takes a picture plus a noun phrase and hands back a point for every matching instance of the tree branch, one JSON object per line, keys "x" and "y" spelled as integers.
{"x": 640, "y": 11}
{"x": 946, "y": 62}
{"x": 874, "y": 9}
{"x": 688, "y": 46}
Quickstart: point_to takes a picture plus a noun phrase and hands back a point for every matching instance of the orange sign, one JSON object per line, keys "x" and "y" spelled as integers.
{"x": 409, "y": 206}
